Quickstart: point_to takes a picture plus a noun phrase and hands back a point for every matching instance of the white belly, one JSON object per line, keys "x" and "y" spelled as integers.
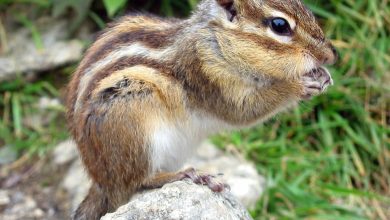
{"x": 172, "y": 143}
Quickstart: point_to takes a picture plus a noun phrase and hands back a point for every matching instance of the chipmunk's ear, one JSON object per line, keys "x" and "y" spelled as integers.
{"x": 228, "y": 5}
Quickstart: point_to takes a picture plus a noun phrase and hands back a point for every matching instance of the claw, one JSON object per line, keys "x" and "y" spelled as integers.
{"x": 204, "y": 179}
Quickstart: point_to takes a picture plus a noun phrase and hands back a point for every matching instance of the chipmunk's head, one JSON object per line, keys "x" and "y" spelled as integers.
{"x": 279, "y": 38}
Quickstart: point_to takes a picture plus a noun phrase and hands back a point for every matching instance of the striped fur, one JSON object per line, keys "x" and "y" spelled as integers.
{"x": 149, "y": 89}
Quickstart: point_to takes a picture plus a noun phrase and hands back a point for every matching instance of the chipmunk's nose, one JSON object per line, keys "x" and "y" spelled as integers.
{"x": 331, "y": 56}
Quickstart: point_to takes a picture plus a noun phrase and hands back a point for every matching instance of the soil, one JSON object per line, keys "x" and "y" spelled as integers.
{"x": 37, "y": 179}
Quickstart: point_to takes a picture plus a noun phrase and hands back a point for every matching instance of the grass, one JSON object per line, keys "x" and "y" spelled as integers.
{"x": 25, "y": 124}
{"x": 327, "y": 159}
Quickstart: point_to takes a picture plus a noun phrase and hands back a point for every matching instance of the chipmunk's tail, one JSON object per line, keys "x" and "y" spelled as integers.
{"x": 94, "y": 206}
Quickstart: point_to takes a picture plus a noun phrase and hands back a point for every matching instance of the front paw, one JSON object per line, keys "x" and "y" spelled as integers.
{"x": 316, "y": 82}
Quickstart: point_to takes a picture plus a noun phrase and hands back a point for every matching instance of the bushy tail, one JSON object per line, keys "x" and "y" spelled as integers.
{"x": 94, "y": 206}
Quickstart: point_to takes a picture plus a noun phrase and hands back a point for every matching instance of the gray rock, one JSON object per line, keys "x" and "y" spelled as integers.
{"x": 181, "y": 200}
{"x": 76, "y": 183}
{"x": 65, "y": 152}
{"x": 7, "y": 155}
{"x": 49, "y": 103}
{"x": 21, "y": 207}
{"x": 4, "y": 198}
{"x": 23, "y": 56}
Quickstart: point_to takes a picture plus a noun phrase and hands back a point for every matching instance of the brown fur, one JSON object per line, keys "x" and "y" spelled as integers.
{"x": 151, "y": 38}
{"x": 123, "y": 64}
{"x": 226, "y": 67}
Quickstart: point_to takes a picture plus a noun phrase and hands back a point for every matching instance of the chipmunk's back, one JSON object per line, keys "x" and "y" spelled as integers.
{"x": 131, "y": 41}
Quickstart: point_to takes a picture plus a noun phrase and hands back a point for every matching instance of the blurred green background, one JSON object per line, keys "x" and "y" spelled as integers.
{"x": 327, "y": 159}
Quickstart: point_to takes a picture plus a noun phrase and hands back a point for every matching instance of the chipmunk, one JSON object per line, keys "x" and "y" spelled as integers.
{"x": 149, "y": 90}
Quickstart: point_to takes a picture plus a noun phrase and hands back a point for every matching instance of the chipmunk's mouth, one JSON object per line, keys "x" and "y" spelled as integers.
{"x": 320, "y": 74}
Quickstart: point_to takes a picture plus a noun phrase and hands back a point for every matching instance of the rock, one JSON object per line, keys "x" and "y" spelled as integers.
{"x": 4, "y": 199}
{"x": 181, "y": 200}
{"x": 76, "y": 183}
{"x": 246, "y": 184}
{"x": 49, "y": 103}
{"x": 7, "y": 155}
{"x": 23, "y": 56}
{"x": 65, "y": 152}
{"x": 21, "y": 207}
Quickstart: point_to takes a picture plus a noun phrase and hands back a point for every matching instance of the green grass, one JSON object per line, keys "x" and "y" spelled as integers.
{"x": 327, "y": 159}
{"x": 24, "y": 125}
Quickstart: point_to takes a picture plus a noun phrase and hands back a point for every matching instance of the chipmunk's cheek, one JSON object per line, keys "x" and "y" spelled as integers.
{"x": 306, "y": 63}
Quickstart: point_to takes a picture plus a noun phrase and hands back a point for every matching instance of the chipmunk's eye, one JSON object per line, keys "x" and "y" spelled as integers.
{"x": 280, "y": 26}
